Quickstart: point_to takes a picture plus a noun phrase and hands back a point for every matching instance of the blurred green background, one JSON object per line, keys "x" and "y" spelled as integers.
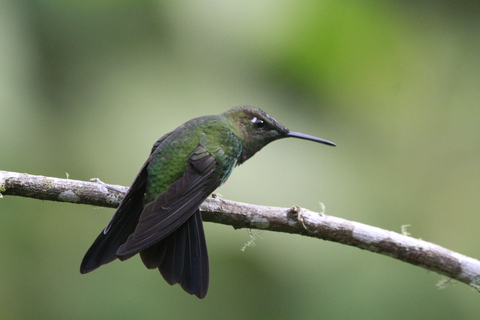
{"x": 86, "y": 87}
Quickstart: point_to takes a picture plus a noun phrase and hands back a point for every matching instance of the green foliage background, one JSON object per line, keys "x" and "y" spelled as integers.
{"x": 86, "y": 87}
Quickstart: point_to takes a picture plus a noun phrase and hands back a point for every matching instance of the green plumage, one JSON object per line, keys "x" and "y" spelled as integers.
{"x": 159, "y": 216}
{"x": 170, "y": 161}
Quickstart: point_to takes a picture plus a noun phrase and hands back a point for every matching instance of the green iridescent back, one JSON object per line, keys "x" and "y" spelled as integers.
{"x": 170, "y": 159}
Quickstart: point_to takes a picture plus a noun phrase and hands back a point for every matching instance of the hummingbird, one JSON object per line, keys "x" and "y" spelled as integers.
{"x": 159, "y": 217}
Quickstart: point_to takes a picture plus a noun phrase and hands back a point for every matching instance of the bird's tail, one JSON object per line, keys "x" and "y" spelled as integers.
{"x": 182, "y": 257}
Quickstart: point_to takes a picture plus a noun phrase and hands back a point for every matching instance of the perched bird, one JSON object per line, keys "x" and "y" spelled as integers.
{"x": 159, "y": 216}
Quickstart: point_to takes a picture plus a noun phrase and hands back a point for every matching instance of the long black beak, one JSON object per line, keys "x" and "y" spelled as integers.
{"x": 299, "y": 135}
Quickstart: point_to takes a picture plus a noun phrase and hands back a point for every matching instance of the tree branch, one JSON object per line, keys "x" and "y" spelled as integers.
{"x": 241, "y": 215}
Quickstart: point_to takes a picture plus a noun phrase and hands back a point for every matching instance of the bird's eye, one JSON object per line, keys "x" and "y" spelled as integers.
{"x": 258, "y": 123}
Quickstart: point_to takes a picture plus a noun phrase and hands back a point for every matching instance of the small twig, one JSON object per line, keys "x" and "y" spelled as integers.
{"x": 293, "y": 220}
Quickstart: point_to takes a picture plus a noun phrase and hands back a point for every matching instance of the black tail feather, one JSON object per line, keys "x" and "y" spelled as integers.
{"x": 182, "y": 257}
{"x": 196, "y": 268}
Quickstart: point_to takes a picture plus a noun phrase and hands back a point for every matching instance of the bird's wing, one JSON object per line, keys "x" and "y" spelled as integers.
{"x": 170, "y": 235}
{"x": 175, "y": 205}
{"x": 123, "y": 222}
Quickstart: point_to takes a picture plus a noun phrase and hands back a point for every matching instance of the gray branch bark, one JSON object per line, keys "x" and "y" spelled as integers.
{"x": 293, "y": 220}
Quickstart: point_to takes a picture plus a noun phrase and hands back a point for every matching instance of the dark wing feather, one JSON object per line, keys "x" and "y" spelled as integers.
{"x": 174, "y": 206}
{"x": 123, "y": 222}
{"x": 170, "y": 235}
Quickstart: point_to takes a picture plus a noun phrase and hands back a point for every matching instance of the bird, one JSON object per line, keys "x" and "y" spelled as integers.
{"x": 159, "y": 217}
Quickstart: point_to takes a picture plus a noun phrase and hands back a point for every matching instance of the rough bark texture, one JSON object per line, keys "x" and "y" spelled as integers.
{"x": 293, "y": 220}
